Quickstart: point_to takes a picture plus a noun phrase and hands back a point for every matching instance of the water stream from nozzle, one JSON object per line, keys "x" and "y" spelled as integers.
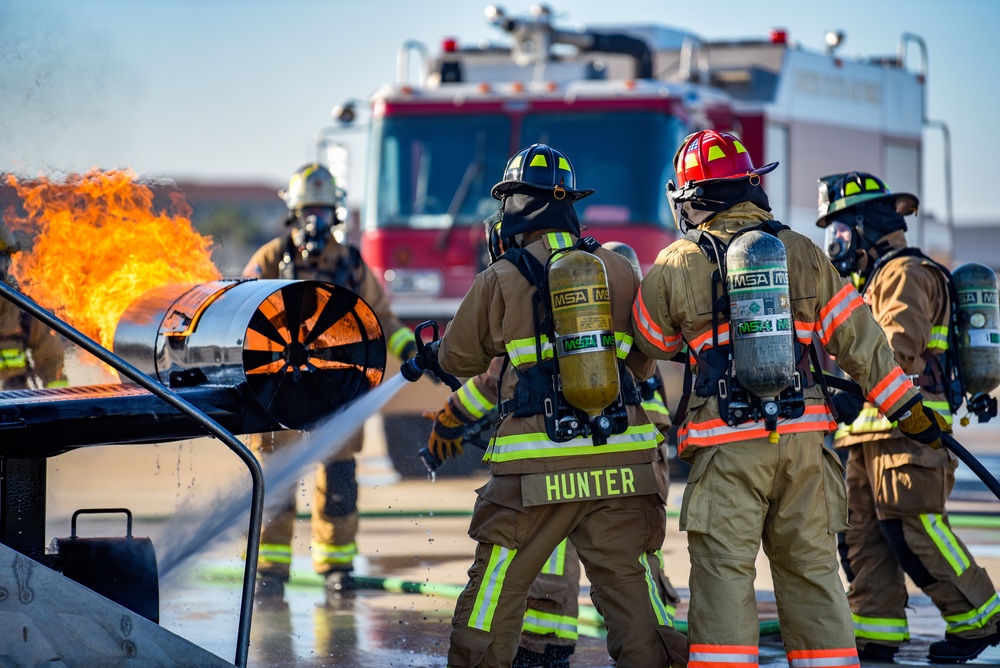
{"x": 192, "y": 530}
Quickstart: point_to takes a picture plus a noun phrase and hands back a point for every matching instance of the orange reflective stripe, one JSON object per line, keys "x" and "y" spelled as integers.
{"x": 890, "y": 390}
{"x": 723, "y": 656}
{"x": 827, "y": 658}
{"x": 717, "y": 432}
{"x": 650, "y": 330}
{"x": 804, "y": 331}
{"x": 836, "y": 311}
{"x": 703, "y": 340}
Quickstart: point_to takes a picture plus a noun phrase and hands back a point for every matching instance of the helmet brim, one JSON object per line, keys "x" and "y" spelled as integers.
{"x": 507, "y": 187}
{"x": 905, "y": 204}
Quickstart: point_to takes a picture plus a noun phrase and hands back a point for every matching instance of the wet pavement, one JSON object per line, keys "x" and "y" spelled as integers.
{"x": 413, "y": 532}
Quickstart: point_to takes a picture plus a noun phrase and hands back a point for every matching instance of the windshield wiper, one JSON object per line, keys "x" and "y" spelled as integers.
{"x": 462, "y": 193}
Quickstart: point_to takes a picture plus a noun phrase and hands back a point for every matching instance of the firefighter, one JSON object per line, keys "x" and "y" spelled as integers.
{"x": 549, "y": 631}
{"x": 759, "y": 470}
{"x": 896, "y": 488}
{"x": 313, "y": 248}
{"x": 31, "y": 354}
{"x": 555, "y": 471}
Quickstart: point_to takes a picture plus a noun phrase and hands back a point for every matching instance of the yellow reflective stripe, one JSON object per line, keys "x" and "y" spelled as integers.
{"x": 949, "y": 547}
{"x": 715, "y": 152}
{"x": 556, "y": 563}
{"x": 515, "y": 162}
{"x": 691, "y": 160}
{"x": 399, "y": 339}
{"x": 851, "y": 188}
{"x": 564, "y": 164}
{"x": 490, "y": 588}
{"x": 473, "y": 401}
{"x": 659, "y": 607}
{"x": 656, "y": 405}
{"x": 872, "y": 184}
{"x": 881, "y": 628}
{"x": 57, "y": 383}
{"x": 624, "y": 343}
{"x": 538, "y": 446}
{"x": 939, "y": 338}
{"x": 974, "y": 619}
{"x": 559, "y": 240}
{"x": 325, "y": 553}
{"x": 550, "y": 624}
{"x": 13, "y": 358}
{"x": 522, "y": 351}
{"x": 870, "y": 420}
{"x": 275, "y": 553}
{"x": 739, "y": 147}
{"x": 538, "y": 160}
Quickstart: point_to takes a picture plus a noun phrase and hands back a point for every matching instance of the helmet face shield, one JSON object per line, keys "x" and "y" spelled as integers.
{"x": 841, "y": 247}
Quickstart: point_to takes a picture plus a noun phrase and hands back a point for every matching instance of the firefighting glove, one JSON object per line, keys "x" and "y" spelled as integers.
{"x": 446, "y": 433}
{"x": 848, "y": 406}
{"x": 924, "y": 425}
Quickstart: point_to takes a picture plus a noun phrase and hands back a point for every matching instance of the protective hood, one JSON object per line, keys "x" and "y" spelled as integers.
{"x": 716, "y": 197}
{"x": 521, "y": 213}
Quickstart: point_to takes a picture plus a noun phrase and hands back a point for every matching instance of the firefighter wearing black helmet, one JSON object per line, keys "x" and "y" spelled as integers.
{"x": 752, "y": 483}
{"x": 896, "y": 487}
{"x": 314, "y": 248}
{"x": 550, "y": 482}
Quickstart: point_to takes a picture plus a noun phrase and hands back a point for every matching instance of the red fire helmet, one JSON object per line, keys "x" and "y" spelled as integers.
{"x": 710, "y": 155}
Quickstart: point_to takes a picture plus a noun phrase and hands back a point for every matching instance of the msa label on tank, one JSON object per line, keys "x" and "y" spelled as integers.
{"x": 578, "y": 296}
{"x": 983, "y": 338}
{"x": 763, "y": 278}
{"x": 977, "y": 297}
{"x": 584, "y": 342}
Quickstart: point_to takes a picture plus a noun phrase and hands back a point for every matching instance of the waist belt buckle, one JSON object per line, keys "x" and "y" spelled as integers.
{"x": 547, "y": 406}
{"x": 723, "y": 389}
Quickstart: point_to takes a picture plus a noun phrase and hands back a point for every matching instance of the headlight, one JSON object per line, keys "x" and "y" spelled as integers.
{"x": 415, "y": 283}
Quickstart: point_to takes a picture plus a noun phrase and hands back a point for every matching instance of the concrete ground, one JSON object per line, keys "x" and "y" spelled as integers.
{"x": 412, "y": 531}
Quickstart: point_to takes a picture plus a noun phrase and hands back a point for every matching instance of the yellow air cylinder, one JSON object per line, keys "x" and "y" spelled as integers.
{"x": 584, "y": 335}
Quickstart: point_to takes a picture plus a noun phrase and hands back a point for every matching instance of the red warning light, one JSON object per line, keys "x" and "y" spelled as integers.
{"x": 449, "y": 45}
{"x": 779, "y": 36}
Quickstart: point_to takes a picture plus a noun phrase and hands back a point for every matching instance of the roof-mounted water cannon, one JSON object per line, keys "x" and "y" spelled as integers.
{"x": 834, "y": 38}
{"x": 534, "y": 37}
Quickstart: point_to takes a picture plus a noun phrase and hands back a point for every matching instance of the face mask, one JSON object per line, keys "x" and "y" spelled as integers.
{"x": 312, "y": 229}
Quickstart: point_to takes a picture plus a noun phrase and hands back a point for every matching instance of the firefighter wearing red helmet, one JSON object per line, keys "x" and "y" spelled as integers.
{"x": 549, "y": 631}
{"x": 314, "y": 249}
{"x": 896, "y": 488}
{"x": 558, "y": 471}
{"x": 759, "y": 470}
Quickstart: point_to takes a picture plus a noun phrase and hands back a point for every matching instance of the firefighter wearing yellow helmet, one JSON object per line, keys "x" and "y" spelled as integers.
{"x": 752, "y": 482}
{"x": 549, "y": 630}
{"x": 31, "y": 354}
{"x": 313, "y": 248}
{"x": 896, "y": 487}
{"x": 555, "y": 471}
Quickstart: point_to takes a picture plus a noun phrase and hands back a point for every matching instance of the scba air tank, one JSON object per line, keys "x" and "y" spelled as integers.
{"x": 760, "y": 314}
{"x": 584, "y": 334}
{"x": 978, "y": 327}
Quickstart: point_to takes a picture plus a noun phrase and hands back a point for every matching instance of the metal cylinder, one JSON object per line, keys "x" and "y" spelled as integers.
{"x": 298, "y": 349}
{"x": 584, "y": 331}
{"x": 760, "y": 314}
{"x": 978, "y": 327}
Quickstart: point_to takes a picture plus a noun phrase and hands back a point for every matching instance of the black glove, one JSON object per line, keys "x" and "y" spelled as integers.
{"x": 924, "y": 425}
{"x": 847, "y": 405}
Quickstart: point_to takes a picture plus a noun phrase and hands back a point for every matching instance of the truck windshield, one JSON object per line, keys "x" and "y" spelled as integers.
{"x": 433, "y": 172}
{"x": 625, "y": 156}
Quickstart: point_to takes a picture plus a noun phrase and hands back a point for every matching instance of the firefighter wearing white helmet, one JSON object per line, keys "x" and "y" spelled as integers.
{"x": 311, "y": 250}
{"x": 30, "y": 352}
{"x": 896, "y": 487}
{"x": 758, "y": 478}
{"x": 551, "y": 479}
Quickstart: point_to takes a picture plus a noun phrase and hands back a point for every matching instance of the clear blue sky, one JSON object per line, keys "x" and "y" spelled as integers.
{"x": 236, "y": 90}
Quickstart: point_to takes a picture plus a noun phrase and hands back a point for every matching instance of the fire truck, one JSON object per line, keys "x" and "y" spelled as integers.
{"x": 618, "y": 100}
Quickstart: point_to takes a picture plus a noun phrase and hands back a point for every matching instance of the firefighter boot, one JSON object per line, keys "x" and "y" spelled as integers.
{"x": 874, "y": 651}
{"x": 340, "y": 585}
{"x": 269, "y": 592}
{"x": 956, "y": 649}
{"x": 525, "y": 658}
{"x": 555, "y": 656}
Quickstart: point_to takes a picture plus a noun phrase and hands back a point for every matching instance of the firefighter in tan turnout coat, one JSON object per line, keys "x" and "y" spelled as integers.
{"x": 552, "y": 478}
{"x": 897, "y": 487}
{"x": 311, "y": 251}
{"x": 749, "y": 484}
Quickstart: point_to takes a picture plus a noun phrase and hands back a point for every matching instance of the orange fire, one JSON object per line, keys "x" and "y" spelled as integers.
{"x": 98, "y": 244}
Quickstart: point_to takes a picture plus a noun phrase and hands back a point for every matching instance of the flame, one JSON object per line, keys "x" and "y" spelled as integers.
{"x": 98, "y": 245}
